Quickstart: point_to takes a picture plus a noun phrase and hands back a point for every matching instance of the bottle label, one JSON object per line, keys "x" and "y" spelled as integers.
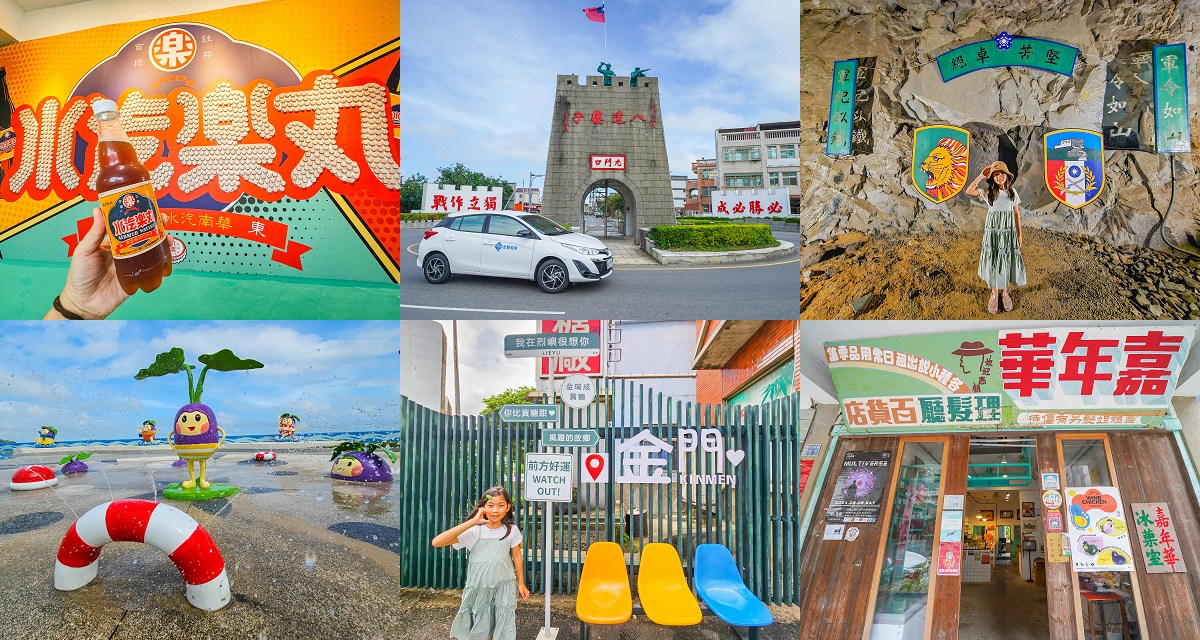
{"x": 8, "y": 143}
{"x": 131, "y": 214}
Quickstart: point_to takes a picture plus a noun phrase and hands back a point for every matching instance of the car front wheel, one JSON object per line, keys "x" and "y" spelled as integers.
{"x": 437, "y": 268}
{"x": 552, "y": 276}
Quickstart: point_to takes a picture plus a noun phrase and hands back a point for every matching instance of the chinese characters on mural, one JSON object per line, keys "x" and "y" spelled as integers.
{"x": 347, "y": 145}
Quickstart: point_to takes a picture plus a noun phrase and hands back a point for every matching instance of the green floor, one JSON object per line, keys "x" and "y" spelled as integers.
{"x": 28, "y": 288}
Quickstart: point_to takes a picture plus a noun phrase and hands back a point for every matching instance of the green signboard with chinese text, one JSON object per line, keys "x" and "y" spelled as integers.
{"x": 1172, "y": 134}
{"x": 841, "y": 107}
{"x": 1066, "y": 377}
{"x": 1007, "y": 51}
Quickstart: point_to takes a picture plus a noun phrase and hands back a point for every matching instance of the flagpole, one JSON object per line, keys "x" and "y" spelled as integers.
{"x": 605, "y": 23}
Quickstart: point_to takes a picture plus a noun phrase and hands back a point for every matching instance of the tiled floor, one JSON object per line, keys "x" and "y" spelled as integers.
{"x": 1007, "y": 607}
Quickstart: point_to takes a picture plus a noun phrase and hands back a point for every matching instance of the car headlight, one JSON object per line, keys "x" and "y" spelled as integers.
{"x": 587, "y": 251}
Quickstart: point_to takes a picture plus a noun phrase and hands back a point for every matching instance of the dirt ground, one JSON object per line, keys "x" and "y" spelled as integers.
{"x": 428, "y": 613}
{"x": 933, "y": 276}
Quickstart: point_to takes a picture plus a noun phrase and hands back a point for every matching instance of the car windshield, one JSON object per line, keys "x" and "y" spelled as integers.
{"x": 545, "y": 225}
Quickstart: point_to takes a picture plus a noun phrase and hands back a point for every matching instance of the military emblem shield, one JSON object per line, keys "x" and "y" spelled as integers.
{"x": 939, "y": 163}
{"x": 1074, "y": 165}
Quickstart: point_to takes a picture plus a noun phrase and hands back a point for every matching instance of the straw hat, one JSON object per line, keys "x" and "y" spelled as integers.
{"x": 998, "y": 166}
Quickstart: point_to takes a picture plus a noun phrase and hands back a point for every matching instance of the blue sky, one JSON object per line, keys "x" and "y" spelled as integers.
{"x": 477, "y": 78}
{"x": 78, "y": 376}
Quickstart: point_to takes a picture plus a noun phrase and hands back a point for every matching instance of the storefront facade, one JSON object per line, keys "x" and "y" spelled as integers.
{"x": 1091, "y": 450}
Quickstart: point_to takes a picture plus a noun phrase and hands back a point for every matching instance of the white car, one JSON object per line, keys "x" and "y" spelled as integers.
{"x": 512, "y": 244}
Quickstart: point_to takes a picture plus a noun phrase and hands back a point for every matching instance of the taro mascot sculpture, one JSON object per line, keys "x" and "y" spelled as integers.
{"x": 196, "y": 436}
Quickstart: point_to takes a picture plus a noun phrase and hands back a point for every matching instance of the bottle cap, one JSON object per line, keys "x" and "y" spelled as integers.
{"x": 104, "y": 106}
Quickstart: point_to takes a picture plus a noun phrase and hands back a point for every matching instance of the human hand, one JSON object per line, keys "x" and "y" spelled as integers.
{"x": 523, "y": 591}
{"x": 92, "y": 290}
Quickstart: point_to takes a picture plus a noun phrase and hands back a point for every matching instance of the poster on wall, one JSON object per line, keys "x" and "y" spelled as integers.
{"x": 1156, "y": 537}
{"x": 272, "y": 148}
{"x": 1098, "y": 530}
{"x": 1059, "y": 377}
{"x": 860, "y": 486}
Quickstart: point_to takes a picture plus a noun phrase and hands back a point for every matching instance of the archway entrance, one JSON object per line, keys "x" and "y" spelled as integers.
{"x": 607, "y": 209}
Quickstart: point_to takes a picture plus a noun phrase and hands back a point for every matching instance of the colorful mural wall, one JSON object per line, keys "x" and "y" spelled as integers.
{"x": 271, "y": 132}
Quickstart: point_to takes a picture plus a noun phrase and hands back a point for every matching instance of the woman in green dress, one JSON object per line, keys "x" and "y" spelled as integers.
{"x": 495, "y": 571}
{"x": 1000, "y": 260}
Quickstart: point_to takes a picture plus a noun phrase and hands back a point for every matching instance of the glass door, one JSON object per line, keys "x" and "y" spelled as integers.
{"x": 1108, "y": 602}
{"x": 907, "y": 564}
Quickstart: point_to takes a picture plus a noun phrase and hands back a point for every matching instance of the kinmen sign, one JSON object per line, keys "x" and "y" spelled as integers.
{"x": 1084, "y": 377}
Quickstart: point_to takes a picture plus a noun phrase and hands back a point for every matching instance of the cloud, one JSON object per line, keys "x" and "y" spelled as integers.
{"x": 483, "y": 369}
{"x": 319, "y": 368}
{"x": 479, "y": 79}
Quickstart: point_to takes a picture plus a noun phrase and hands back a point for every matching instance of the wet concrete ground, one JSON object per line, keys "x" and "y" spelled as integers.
{"x": 307, "y": 556}
{"x": 430, "y": 612}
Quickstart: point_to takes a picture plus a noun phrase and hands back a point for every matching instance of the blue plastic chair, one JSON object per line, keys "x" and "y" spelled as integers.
{"x": 719, "y": 584}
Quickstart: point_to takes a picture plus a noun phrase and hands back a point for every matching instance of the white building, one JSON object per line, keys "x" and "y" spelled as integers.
{"x": 766, "y": 155}
{"x": 679, "y": 192}
{"x": 423, "y": 363}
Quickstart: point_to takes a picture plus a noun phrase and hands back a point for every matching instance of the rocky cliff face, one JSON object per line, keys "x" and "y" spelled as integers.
{"x": 1011, "y": 107}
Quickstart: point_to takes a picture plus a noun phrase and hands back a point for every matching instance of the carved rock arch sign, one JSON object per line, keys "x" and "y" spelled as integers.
{"x": 1006, "y": 50}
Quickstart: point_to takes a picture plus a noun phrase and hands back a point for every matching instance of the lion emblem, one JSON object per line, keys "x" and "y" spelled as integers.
{"x": 945, "y": 169}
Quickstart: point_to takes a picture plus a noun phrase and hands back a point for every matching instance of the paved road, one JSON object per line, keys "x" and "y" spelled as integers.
{"x": 727, "y": 292}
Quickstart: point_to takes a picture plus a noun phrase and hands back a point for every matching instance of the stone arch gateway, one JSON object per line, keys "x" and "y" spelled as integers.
{"x": 611, "y": 133}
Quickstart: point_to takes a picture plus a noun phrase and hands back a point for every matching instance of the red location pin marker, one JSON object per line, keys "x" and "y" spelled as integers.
{"x": 594, "y": 464}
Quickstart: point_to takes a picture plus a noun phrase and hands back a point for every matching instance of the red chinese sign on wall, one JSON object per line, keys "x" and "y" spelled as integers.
{"x": 618, "y": 117}
{"x": 608, "y": 162}
{"x": 584, "y": 365}
{"x": 1110, "y": 366}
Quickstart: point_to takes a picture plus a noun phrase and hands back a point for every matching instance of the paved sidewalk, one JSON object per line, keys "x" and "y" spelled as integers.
{"x": 307, "y": 556}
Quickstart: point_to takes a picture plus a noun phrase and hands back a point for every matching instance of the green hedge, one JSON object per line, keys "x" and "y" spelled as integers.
{"x": 421, "y": 217}
{"x": 713, "y": 237}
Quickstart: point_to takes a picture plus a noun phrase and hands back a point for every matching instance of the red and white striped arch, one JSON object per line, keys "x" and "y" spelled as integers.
{"x": 159, "y": 525}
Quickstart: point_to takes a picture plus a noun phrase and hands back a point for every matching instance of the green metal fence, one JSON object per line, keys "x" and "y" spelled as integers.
{"x": 446, "y": 462}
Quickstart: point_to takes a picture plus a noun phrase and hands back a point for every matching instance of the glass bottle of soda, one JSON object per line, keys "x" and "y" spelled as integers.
{"x": 8, "y": 138}
{"x": 135, "y": 231}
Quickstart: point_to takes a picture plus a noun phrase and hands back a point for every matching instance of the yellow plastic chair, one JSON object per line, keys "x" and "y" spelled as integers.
{"x": 662, "y": 588}
{"x": 603, "y": 596}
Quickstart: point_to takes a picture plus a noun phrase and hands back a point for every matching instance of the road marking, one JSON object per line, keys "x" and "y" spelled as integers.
{"x": 540, "y": 313}
{"x": 409, "y": 249}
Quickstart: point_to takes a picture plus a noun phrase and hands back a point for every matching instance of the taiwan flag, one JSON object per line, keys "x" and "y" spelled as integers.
{"x": 595, "y": 14}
